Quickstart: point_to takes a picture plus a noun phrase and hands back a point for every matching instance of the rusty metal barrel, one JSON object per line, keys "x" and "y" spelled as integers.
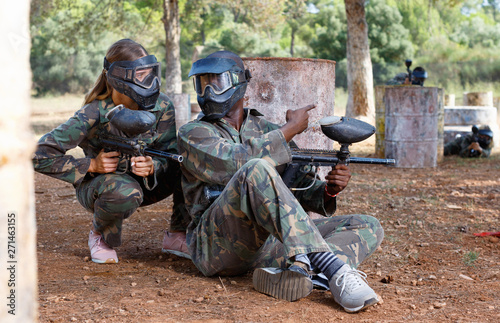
{"x": 279, "y": 84}
{"x": 478, "y": 98}
{"x": 414, "y": 126}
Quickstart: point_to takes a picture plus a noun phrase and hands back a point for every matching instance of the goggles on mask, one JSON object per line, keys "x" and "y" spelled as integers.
{"x": 219, "y": 83}
{"x": 142, "y": 72}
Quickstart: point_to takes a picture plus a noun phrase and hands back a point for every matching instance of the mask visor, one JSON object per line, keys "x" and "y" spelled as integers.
{"x": 143, "y": 75}
{"x": 219, "y": 83}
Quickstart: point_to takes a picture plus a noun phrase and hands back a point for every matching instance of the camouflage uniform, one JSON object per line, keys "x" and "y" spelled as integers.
{"x": 399, "y": 79}
{"x": 459, "y": 147}
{"x": 257, "y": 221}
{"x": 113, "y": 197}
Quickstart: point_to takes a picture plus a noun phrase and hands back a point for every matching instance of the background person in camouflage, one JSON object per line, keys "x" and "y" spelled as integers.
{"x": 419, "y": 75}
{"x": 245, "y": 217}
{"x": 113, "y": 197}
{"x": 471, "y": 145}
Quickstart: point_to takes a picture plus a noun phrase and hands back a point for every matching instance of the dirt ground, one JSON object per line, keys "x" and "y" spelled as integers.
{"x": 429, "y": 268}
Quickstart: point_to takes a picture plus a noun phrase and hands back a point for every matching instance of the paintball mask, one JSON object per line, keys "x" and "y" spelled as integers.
{"x": 219, "y": 83}
{"x": 484, "y": 137}
{"x": 418, "y": 76}
{"x": 139, "y": 80}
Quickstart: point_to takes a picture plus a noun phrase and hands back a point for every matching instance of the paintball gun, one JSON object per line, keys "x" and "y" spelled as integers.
{"x": 475, "y": 138}
{"x": 343, "y": 130}
{"x": 133, "y": 123}
{"x": 418, "y": 76}
{"x": 408, "y": 64}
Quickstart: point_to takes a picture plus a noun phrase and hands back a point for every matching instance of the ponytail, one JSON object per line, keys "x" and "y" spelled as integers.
{"x": 101, "y": 90}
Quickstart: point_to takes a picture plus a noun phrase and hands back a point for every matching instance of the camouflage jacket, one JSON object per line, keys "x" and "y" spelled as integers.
{"x": 84, "y": 128}
{"x": 213, "y": 152}
{"x": 399, "y": 79}
{"x": 459, "y": 147}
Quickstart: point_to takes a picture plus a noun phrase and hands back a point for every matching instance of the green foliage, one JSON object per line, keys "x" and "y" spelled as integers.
{"x": 70, "y": 39}
{"x": 330, "y": 36}
{"x": 389, "y": 39}
{"x": 415, "y": 19}
{"x": 476, "y": 33}
{"x": 457, "y": 42}
{"x": 58, "y": 64}
{"x": 470, "y": 258}
{"x": 242, "y": 41}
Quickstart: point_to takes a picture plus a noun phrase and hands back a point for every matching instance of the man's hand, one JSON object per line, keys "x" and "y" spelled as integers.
{"x": 476, "y": 147}
{"x": 337, "y": 179}
{"x": 296, "y": 121}
{"x": 142, "y": 165}
{"x": 105, "y": 162}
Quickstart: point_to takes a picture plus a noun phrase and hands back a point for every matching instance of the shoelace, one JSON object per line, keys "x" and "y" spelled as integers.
{"x": 350, "y": 279}
{"x": 97, "y": 241}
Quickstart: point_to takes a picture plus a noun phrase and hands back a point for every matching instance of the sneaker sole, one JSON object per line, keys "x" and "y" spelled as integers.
{"x": 107, "y": 261}
{"x": 288, "y": 285}
{"x": 368, "y": 303}
{"x": 177, "y": 253}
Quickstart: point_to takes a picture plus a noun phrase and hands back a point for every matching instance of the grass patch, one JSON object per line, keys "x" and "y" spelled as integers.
{"x": 470, "y": 258}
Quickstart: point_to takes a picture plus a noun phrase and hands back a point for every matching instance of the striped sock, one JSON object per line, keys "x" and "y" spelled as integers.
{"x": 327, "y": 262}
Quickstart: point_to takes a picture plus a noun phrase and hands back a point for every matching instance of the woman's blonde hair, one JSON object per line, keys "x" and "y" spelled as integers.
{"x": 122, "y": 50}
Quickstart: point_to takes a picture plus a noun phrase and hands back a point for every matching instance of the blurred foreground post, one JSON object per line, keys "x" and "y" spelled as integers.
{"x": 18, "y": 263}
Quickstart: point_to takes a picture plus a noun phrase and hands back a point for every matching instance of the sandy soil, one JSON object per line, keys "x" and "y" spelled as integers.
{"x": 429, "y": 268}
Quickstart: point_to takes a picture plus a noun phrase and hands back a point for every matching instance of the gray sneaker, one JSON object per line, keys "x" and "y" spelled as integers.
{"x": 350, "y": 289}
{"x": 289, "y": 284}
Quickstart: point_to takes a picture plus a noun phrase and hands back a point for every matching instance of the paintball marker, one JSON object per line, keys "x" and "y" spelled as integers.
{"x": 475, "y": 138}
{"x": 133, "y": 123}
{"x": 418, "y": 76}
{"x": 345, "y": 131}
{"x": 408, "y": 64}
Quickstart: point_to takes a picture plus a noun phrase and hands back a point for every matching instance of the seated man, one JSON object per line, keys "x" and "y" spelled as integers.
{"x": 476, "y": 144}
{"x": 245, "y": 217}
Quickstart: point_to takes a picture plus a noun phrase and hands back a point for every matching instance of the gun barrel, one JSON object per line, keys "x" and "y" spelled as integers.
{"x": 323, "y": 160}
{"x": 376, "y": 161}
{"x": 158, "y": 153}
{"x": 314, "y": 159}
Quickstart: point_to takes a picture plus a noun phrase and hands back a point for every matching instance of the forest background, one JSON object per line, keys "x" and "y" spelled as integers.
{"x": 457, "y": 42}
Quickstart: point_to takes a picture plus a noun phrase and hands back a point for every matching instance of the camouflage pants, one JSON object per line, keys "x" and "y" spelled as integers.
{"x": 257, "y": 221}
{"x": 114, "y": 197}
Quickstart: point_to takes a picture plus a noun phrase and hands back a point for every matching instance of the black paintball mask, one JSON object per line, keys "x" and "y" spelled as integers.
{"x": 140, "y": 80}
{"x": 484, "y": 138}
{"x": 219, "y": 83}
{"x": 419, "y": 75}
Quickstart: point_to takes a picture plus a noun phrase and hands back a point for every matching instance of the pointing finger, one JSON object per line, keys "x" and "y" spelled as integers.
{"x": 309, "y": 107}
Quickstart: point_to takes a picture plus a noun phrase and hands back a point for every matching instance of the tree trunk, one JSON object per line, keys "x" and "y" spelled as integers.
{"x": 18, "y": 274}
{"x": 173, "y": 78}
{"x": 360, "y": 102}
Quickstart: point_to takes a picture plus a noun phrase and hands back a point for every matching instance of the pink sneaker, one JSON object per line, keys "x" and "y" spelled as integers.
{"x": 100, "y": 252}
{"x": 175, "y": 243}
